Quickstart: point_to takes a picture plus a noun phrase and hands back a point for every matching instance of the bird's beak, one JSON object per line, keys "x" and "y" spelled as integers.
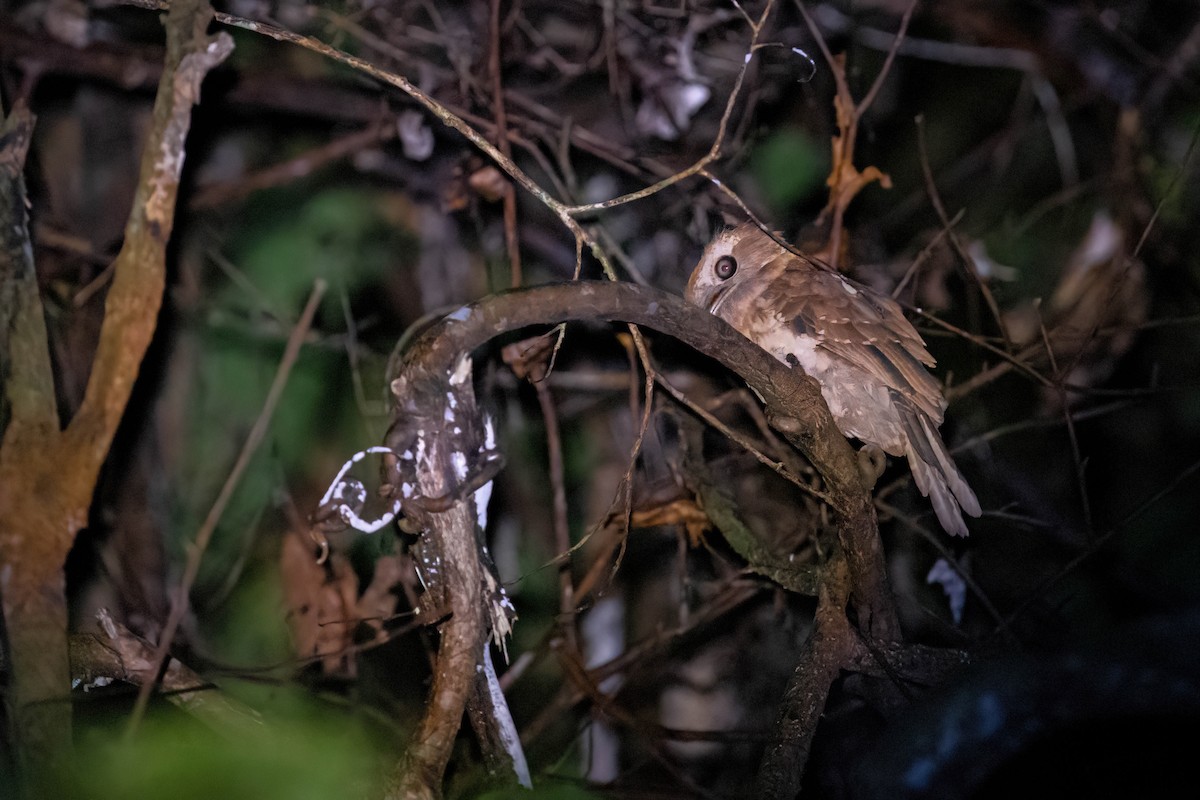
{"x": 714, "y": 299}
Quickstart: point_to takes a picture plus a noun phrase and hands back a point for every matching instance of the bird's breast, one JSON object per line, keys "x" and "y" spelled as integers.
{"x": 859, "y": 403}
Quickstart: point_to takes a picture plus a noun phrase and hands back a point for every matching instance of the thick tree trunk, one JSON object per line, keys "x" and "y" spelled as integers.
{"x": 39, "y": 699}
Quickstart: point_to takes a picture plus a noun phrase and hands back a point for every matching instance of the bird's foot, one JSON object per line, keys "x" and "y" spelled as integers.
{"x": 872, "y": 461}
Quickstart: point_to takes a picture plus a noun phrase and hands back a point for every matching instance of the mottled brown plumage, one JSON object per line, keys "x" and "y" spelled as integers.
{"x": 869, "y": 360}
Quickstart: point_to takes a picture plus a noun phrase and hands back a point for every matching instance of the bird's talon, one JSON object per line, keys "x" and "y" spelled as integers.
{"x": 872, "y": 461}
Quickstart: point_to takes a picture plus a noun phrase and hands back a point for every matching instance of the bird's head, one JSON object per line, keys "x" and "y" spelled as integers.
{"x": 733, "y": 256}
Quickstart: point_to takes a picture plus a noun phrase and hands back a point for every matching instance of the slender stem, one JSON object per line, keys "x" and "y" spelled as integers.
{"x": 179, "y": 599}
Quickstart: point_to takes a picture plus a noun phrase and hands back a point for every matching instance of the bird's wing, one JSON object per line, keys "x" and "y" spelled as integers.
{"x": 858, "y": 326}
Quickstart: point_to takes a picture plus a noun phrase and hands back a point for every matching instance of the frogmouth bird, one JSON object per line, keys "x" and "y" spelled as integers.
{"x": 868, "y": 359}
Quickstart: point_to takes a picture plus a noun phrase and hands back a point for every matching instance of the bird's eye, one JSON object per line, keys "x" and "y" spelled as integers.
{"x": 725, "y": 267}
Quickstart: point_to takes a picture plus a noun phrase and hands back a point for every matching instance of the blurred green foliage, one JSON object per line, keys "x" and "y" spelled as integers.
{"x": 543, "y": 792}
{"x": 277, "y": 249}
{"x": 310, "y": 756}
{"x": 788, "y": 166}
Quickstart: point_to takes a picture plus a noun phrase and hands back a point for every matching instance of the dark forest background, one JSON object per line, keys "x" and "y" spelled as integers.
{"x": 1058, "y": 288}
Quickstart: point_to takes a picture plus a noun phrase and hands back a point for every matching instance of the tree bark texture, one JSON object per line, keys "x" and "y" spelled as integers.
{"x": 48, "y": 474}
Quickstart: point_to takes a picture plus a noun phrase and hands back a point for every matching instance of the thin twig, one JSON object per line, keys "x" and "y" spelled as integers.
{"x": 533, "y": 360}
{"x": 636, "y": 449}
{"x": 1015, "y": 361}
{"x": 926, "y": 251}
{"x": 561, "y": 523}
{"x": 1100, "y": 541}
{"x": 1060, "y": 389}
{"x": 725, "y": 598}
{"x": 565, "y": 213}
{"x": 777, "y": 467}
{"x": 967, "y": 262}
{"x": 936, "y": 541}
{"x": 510, "y": 195}
{"x": 293, "y": 169}
{"x": 179, "y": 598}
{"x": 869, "y": 97}
{"x": 839, "y": 76}
{"x": 977, "y": 56}
{"x": 714, "y": 152}
{"x": 845, "y": 180}
{"x": 1030, "y": 424}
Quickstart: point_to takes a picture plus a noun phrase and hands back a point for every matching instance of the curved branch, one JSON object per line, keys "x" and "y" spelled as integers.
{"x": 431, "y": 419}
{"x": 793, "y": 400}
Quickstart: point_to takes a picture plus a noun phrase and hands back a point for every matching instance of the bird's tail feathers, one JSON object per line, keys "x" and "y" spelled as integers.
{"x": 935, "y": 472}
